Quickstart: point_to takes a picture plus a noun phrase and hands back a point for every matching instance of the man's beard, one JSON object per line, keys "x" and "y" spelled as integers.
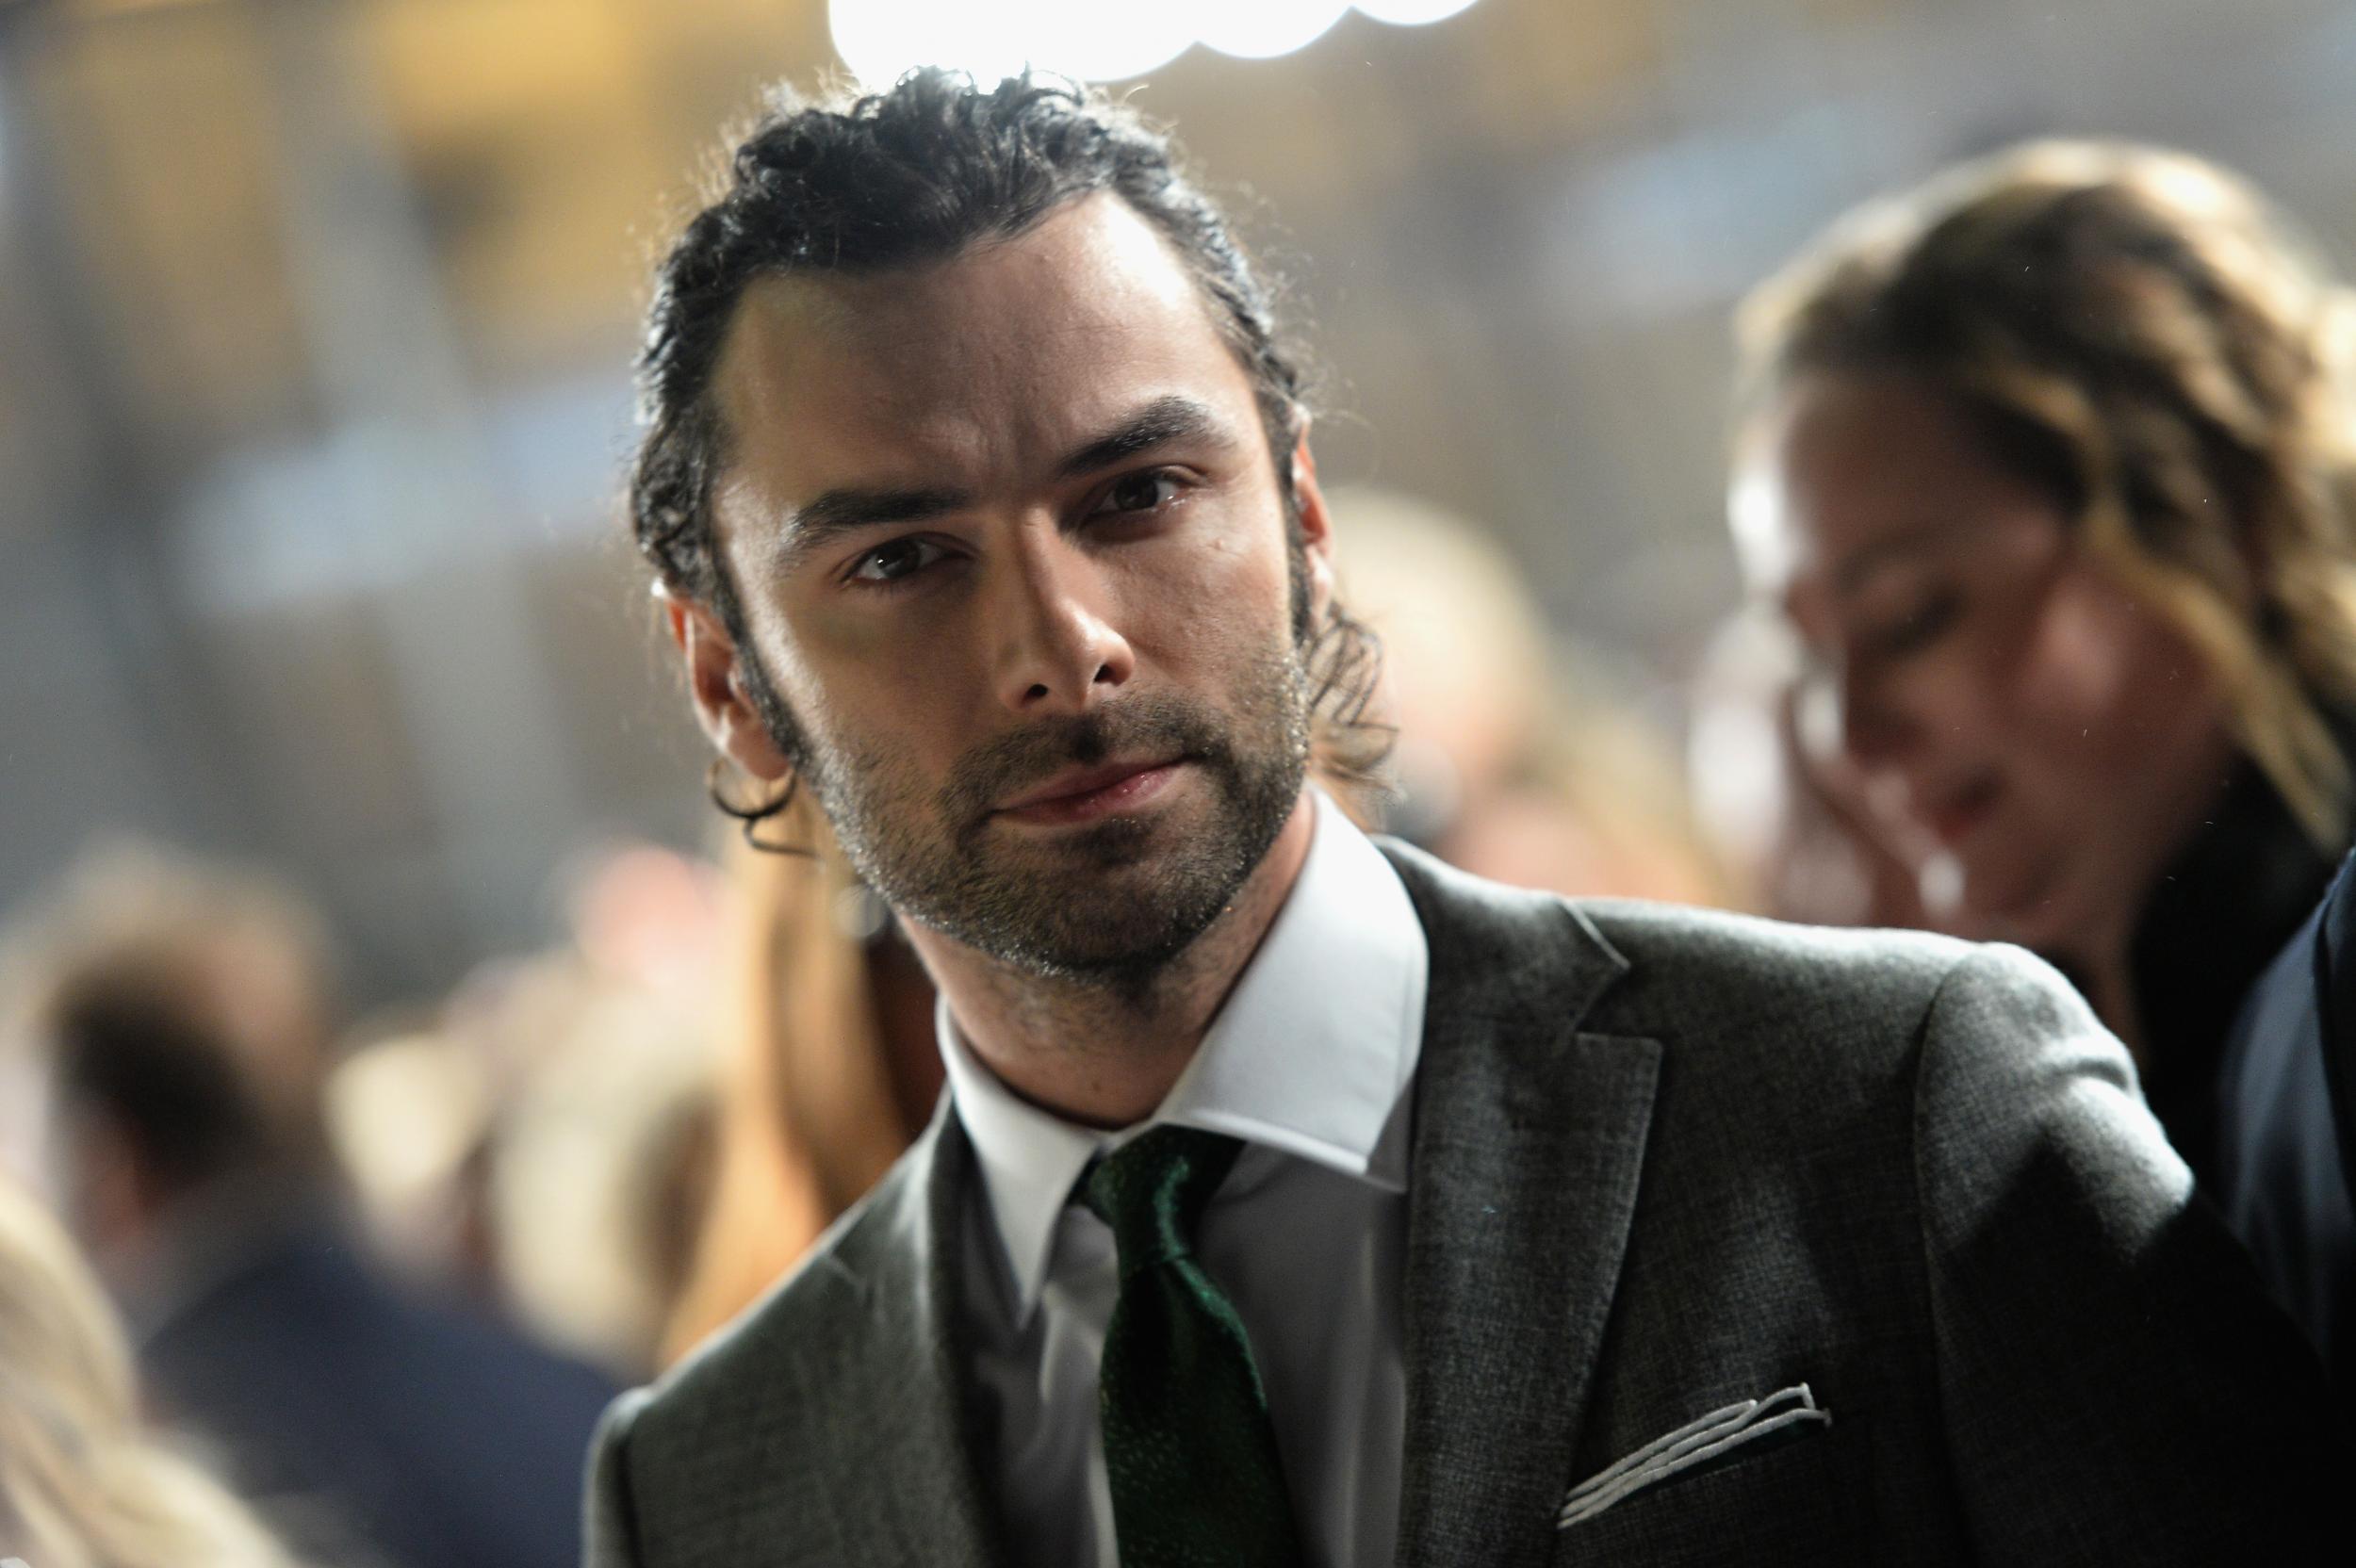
{"x": 1058, "y": 906}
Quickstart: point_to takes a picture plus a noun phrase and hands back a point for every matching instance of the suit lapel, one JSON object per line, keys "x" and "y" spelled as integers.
{"x": 911, "y": 1491}
{"x": 1528, "y": 1141}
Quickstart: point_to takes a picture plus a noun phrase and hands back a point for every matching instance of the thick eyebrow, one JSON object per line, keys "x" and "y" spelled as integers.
{"x": 1157, "y": 424}
{"x": 836, "y": 513}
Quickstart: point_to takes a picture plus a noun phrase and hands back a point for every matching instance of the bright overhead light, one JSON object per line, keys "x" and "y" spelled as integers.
{"x": 1263, "y": 29}
{"x": 882, "y": 39}
{"x": 1097, "y": 40}
{"x": 1413, "y": 14}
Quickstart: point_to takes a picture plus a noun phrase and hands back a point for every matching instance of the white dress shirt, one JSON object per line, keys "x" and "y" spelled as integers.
{"x": 1312, "y": 1064}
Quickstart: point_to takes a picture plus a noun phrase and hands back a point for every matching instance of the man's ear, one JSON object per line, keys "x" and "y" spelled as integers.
{"x": 1317, "y": 526}
{"x": 715, "y": 683}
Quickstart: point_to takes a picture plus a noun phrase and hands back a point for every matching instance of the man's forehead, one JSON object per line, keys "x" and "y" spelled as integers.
{"x": 1093, "y": 274}
{"x": 1034, "y": 339}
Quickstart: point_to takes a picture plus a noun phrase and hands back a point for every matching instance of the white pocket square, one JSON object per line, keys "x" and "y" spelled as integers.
{"x": 1689, "y": 1444}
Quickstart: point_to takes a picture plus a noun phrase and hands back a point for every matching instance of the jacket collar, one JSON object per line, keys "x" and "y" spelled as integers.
{"x": 896, "y": 1377}
{"x": 1528, "y": 1142}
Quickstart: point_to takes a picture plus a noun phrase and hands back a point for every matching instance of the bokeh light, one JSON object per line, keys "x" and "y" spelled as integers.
{"x": 1263, "y": 29}
{"x": 880, "y": 39}
{"x": 1413, "y": 14}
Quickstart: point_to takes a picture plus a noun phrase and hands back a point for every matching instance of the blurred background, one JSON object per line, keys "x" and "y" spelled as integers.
{"x": 316, "y": 319}
{"x": 316, "y": 326}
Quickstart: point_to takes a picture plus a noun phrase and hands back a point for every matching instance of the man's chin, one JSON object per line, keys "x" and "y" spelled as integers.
{"x": 1116, "y": 901}
{"x": 1113, "y": 843}
{"x": 1099, "y": 940}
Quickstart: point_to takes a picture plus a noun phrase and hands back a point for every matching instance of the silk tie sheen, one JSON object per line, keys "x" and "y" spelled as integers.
{"x": 1189, "y": 1449}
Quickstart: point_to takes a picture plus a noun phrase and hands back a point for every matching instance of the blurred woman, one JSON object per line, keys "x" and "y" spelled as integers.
{"x": 829, "y": 1070}
{"x": 2048, "y": 463}
{"x": 1784, "y": 810}
{"x": 82, "y": 1484}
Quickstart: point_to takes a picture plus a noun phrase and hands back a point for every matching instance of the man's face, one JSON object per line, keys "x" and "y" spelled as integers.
{"x": 1016, "y": 578}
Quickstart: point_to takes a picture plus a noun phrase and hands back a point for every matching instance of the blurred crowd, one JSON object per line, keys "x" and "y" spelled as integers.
{"x": 2045, "y": 492}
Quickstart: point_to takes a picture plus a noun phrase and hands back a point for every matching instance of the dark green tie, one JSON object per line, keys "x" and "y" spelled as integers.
{"x": 1195, "y": 1482}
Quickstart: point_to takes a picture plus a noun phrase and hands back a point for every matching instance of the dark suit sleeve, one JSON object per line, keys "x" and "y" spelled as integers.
{"x": 2335, "y": 979}
{"x": 2115, "y": 1386}
{"x": 2282, "y": 1131}
{"x": 613, "y": 1515}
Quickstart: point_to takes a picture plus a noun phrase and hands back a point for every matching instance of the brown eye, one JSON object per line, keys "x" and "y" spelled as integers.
{"x": 1140, "y": 493}
{"x": 891, "y": 562}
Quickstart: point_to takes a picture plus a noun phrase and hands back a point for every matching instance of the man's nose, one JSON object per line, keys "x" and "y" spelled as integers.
{"x": 1057, "y": 651}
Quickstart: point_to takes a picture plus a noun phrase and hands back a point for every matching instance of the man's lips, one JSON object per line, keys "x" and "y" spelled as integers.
{"x": 1084, "y": 794}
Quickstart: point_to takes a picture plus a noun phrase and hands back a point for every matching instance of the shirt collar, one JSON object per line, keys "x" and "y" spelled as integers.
{"x": 1309, "y": 1055}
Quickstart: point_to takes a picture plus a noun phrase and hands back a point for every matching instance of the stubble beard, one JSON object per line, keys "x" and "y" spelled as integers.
{"x": 1108, "y": 905}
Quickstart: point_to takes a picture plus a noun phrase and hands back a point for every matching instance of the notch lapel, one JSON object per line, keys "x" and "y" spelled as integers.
{"x": 1528, "y": 1142}
{"x": 908, "y": 1474}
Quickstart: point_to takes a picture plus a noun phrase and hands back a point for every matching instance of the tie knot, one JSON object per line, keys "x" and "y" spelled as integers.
{"x": 1153, "y": 1192}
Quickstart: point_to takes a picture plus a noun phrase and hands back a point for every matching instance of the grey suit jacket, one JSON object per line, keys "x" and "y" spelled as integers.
{"x": 1663, "y": 1161}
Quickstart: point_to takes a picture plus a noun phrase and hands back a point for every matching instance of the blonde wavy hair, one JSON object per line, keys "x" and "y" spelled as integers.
{"x": 82, "y": 1484}
{"x": 2142, "y": 334}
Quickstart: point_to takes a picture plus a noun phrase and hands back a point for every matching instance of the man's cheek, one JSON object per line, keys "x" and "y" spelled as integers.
{"x": 1232, "y": 593}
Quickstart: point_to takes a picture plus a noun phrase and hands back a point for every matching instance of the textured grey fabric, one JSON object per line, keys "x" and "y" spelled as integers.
{"x": 1664, "y": 1161}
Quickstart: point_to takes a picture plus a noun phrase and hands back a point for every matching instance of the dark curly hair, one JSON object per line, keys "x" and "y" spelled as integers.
{"x": 913, "y": 174}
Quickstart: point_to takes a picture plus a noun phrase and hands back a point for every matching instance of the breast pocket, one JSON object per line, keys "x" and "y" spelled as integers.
{"x": 1778, "y": 1500}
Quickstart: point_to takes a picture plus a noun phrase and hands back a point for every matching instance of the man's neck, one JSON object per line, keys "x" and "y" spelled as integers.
{"x": 1103, "y": 1056}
